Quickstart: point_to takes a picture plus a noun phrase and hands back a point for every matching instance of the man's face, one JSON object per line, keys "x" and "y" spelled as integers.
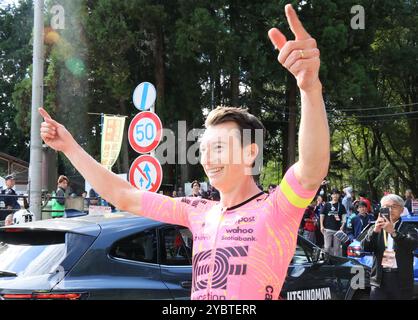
{"x": 362, "y": 210}
{"x": 335, "y": 197}
{"x": 395, "y": 209}
{"x": 10, "y": 183}
{"x": 223, "y": 157}
{"x": 8, "y": 221}
{"x": 196, "y": 188}
{"x": 64, "y": 184}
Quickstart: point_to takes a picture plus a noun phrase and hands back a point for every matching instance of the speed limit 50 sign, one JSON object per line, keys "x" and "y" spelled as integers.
{"x": 145, "y": 132}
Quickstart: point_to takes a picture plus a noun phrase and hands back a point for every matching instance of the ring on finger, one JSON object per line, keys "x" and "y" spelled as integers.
{"x": 301, "y": 54}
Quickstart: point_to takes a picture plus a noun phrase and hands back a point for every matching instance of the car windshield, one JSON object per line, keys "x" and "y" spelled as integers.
{"x": 24, "y": 258}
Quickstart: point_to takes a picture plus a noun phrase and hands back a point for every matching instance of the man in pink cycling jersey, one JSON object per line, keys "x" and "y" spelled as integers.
{"x": 244, "y": 243}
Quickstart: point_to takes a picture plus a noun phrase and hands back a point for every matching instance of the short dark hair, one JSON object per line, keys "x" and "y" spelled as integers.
{"x": 362, "y": 204}
{"x": 244, "y": 120}
{"x": 194, "y": 182}
{"x": 62, "y": 178}
{"x": 319, "y": 195}
{"x": 336, "y": 191}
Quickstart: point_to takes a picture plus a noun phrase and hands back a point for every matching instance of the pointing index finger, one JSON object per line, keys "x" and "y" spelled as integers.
{"x": 295, "y": 24}
{"x": 46, "y": 116}
{"x": 44, "y": 113}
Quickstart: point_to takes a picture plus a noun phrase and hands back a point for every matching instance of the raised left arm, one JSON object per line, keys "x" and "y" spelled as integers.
{"x": 314, "y": 140}
{"x": 301, "y": 58}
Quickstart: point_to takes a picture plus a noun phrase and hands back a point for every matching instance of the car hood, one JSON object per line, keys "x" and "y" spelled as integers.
{"x": 344, "y": 261}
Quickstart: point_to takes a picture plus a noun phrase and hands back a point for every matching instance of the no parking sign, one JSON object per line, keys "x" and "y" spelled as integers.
{"x": 145, "y": 132}
{"x": 146, "y": 173}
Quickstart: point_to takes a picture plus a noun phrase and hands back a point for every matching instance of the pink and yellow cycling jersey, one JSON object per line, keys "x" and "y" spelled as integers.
{"x": 241, "y": 252}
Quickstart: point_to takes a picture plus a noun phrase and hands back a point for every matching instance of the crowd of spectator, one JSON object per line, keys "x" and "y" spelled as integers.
{"x": 332, "y": 221}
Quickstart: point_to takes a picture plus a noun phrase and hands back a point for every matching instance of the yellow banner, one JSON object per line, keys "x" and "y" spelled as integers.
{"x": 112, "y": 136}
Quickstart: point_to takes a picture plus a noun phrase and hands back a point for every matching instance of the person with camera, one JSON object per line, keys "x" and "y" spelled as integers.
{"x": 392, "y": 243}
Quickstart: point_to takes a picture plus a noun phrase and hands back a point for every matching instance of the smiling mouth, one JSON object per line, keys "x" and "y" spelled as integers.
{"x": 214, "y": 171}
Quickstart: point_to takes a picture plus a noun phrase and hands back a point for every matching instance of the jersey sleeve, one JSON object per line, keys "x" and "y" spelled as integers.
{"x": 172, "y": 210}
{"x": 290, "y": 199}
{"x": 163, "y": 208}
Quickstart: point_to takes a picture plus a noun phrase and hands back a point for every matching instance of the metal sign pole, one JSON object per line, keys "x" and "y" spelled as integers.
{"x": 35, "y": 166}
{"x": 152, "y": 109}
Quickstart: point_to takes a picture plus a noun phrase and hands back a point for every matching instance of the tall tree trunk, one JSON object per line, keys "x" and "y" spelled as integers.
{"x": 375, "y": 161}
{"x": 235, "y": 85}
{"x": 160, "y": 87}
{"x": 234, "y": 63}
{"x": 396, "y": 184}
{"x": 413, "y": 124}
{"x": 406, "y": 180}
{"x": 159, "y": 67}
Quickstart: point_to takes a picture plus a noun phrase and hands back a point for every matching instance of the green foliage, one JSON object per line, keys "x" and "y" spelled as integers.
{"x": 15, "y": 57}
{"x": 205, "y": 53}
{"x": 270, "y": 174}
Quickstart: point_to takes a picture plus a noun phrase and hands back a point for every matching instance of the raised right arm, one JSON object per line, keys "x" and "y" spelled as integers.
{"x": 109, "y": 185}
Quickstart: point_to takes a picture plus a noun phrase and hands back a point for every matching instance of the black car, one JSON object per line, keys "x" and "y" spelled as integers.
{"x": 316, "y": 275}
{"x": 123, "y": 256}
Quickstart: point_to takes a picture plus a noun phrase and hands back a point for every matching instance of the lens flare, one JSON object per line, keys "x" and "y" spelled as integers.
{"x": 75, "y": 66}
{"x": 51, "y": 36}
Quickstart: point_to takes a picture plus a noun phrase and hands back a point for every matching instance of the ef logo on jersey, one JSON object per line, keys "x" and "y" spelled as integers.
{"x": 222, "y": 269}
